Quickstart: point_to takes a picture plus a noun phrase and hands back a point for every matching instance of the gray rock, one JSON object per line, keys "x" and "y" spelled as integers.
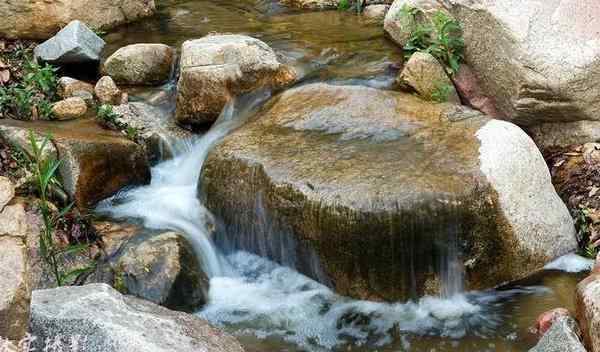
{"x": 370, "y": 180}
{"x": 74, "y": 44}
{"x": 164, "y": 270}
{"x": 563, "y": 336}
{"x": 110, "y": 322}
{"x": 428, "y": 77}
{"x": 141, "y": 64}
{"x": 216, "y": 68}
{"x": 563, "y": 134}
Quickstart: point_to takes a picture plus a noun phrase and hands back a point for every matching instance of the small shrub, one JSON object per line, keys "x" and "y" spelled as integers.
{"x": 584, "y": 226}
{"x": 440, "y": 36}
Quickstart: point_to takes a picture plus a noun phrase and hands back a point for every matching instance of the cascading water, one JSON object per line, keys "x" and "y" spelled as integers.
{"x": 255, "y": 296}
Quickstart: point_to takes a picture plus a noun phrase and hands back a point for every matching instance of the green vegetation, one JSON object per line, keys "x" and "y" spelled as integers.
{"x": 440, "y": 36}
{"x": 441, "y": 93}
{"x": 344, "y": 5}
{"x": 585, "y": 236}
{"x": 32, "y": 97}
{"x": 44, "y": 170}
{"x": 106, "y": 116}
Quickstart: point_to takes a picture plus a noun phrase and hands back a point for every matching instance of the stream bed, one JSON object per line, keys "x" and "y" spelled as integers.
{"x": 270, "y": 307}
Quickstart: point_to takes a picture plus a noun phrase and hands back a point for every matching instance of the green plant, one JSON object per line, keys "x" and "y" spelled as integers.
{"x": 441, "y": 93}
{"x": 41, "y": 78}
{"x": 44, "y": 174}
{"x": 109, "y": 119}
{"x": 583, "y": 224}
{"x": 5, "y": 100}
{"x": 344, "y": 5}
{"x": 44, "y": 109}
{"x": 439, "y": 35}
{"x": 22, "y": 101}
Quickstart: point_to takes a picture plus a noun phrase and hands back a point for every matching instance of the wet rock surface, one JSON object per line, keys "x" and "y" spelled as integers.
{"x": 164, "y": 270}
{"x": 563, "y": 336}
{"x": 359, "y": 175}
{"x": 113, "y": 322}
{"x": 96, "y": 162}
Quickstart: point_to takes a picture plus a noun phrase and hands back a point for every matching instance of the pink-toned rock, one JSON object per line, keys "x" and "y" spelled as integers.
{"x": 545, "y": 320}
{"x": 596, "y": 268}
{"x": 468, "y": 87}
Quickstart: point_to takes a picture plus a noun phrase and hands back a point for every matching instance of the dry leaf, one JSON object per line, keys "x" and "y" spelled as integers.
{"x": 559, "y": 163}
{"x": 4, "y": 76}
{"x": 593, "y": 191}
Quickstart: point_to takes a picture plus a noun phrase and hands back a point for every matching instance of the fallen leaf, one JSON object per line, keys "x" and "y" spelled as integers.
{"x": 559, "y": 163}
{"x": 593, "y": 191}
{"x": 572, "y": 154}
{"x": 4, "y": 76}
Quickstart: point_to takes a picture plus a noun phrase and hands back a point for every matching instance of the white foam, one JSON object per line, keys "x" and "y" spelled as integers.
{"x": 269, "y": 300}
{"x": 571, "y": 263}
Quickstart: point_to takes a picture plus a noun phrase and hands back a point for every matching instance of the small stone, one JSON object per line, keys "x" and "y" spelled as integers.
{"x": 545, "y": 320}
{"x": 7, "y": 191}
{"x": 141, "y": 64}
{"x": 428, "y": 77}
{"x": 74, "y": 44}
{"x": 67, "y": 87}
{"x": 69, "y": 109}
{"x": 88, "y": 97}
{"x": 376, "y": 12}
{"x": 107, "y": 91}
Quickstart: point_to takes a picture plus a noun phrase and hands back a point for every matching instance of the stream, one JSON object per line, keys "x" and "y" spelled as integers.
{"x": 271, "y": 307}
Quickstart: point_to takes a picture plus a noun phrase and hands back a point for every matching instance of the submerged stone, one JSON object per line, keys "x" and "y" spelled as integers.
{"x": 384, "y": 196}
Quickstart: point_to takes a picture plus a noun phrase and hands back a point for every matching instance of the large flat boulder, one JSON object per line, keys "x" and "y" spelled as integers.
{"x": 540, "y": 60}
{"x": 107, "y": 321}
{"x": 216, "y": 68}
{"x": 379, "y": 187}
{"x": 96, "y": 163}
{"x": 42, "y": 19}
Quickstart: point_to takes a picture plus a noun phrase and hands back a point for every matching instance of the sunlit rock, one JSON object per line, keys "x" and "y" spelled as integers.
{"x": 216, "y": 68}
{"x": 141, "y": 64}
{"x": 42, "y": 19}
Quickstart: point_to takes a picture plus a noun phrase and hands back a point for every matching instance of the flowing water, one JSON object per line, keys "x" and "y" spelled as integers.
{"x": 269, "y": 306}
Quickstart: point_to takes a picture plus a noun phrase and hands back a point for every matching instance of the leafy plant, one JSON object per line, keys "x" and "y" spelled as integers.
{"x": 440, "y": 36}
{"x": 44, "y": 174}
{"x": 22, "y": 101}
{"x": 41, "y": 78}
{"x": 109, "y": 119}
{"x": 441, "y": 93}
{"x": 583, "y": 224}
{"x": 344, "y": 5}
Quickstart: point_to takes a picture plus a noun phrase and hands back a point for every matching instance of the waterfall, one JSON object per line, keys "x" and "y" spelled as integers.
{"x": 170, "y": 200}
